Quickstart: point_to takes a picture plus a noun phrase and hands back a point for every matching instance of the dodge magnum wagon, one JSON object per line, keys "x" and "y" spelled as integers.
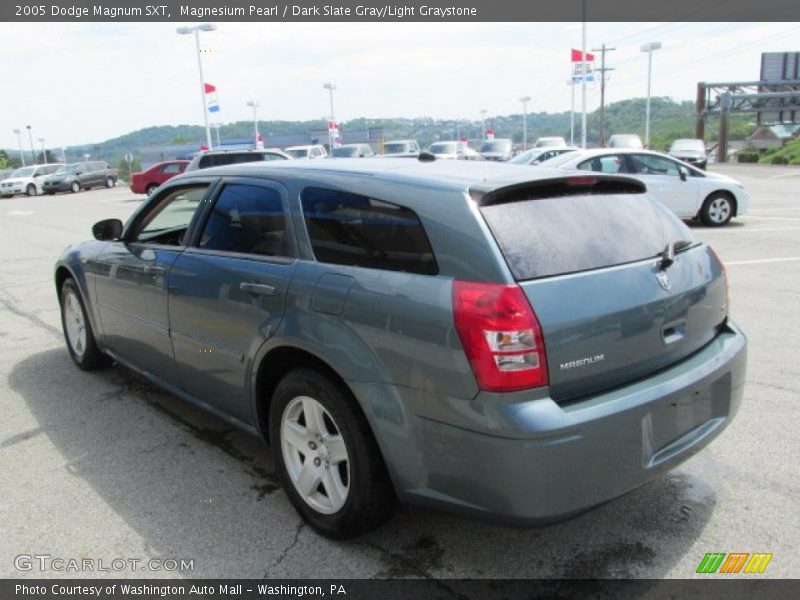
{"x": 479, "y": 337}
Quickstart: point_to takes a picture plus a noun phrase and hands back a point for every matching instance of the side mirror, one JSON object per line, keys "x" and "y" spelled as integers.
{"x": 683, "y": 173}
{"x": 108, "y": 229}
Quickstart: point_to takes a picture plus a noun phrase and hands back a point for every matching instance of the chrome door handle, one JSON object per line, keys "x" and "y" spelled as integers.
{"x": 257, "y": 288}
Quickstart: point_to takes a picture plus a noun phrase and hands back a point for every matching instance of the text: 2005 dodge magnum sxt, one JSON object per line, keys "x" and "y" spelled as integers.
{"x": 475, "y": 336}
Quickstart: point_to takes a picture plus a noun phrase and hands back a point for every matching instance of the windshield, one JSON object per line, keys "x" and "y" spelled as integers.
{"x": 526, "y": 158}
{"x": 444, "y": 148}
{"x": 396, "y": 148}
{"x": 496, "y": 146}
{"x": 542, "y": 237}
{"x": 559, "y": 160}
{"x": 297, "y": 152}
{"x": 696, "y": 145}
{"x": 23, "y": 172}
{"x": 66, "y": 170}
{"x": 345, "y": 151}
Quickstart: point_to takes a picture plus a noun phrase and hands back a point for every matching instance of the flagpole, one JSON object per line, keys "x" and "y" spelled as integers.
{"x": 572, "y": 114}
{"x": 202, "y": 87}
{"x": 583, "y": 80}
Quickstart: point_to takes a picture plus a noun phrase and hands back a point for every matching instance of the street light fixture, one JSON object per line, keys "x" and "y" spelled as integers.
{"x": 30, "y": 139}
{"x": 19, "y": 142}
{"x": 330, "y": 87}
{"x": 483, "y": 123}
{"x": 525, "y": 100}
{"x": 44, "y": 154}
{"x": 196, "y": 30}
{"x": 255, "y": 105}
{"x": 649, "y": 48}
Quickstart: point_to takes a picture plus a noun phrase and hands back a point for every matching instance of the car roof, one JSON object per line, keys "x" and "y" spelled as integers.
{"x": 455, "y": 175}
{"x": 589, "y": 152}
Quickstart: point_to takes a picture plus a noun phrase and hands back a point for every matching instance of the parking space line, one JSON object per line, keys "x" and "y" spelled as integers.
{"x": 773, "y": 218}
{"x": 761, "y": 261}
{"x": 758, "y": 211}
{"x": 748, "y": 230}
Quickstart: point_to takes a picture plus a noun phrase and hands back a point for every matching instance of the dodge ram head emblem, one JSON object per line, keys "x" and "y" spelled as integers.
{"x": 664, "y": 281}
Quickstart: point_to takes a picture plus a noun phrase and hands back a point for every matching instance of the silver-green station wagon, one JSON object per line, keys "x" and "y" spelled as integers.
{"x": 505, "y": 342}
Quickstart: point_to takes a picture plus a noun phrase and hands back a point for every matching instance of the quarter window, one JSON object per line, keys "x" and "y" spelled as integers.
{"x": 171, "y": 168}
{"x": 349, "y": 229}
{"x": 168, "y": 221}
{"x": 249, "y": 219}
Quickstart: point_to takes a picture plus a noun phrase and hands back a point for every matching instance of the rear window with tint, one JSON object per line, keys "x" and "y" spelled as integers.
{"x": 348, "y": 229}
{"x": 554, "y": 236}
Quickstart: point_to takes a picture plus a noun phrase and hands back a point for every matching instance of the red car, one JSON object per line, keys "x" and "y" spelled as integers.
{"x": 145, "y": 182}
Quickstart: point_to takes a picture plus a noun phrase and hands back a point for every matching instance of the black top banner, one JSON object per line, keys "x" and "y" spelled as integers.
{"x": 400, "y": 10}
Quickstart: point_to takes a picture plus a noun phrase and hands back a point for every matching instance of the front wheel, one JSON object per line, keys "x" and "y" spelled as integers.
{"x": 78, "y": 330}
{"x": 717, "y": 210}
{"x": 75, "y": 187}
{"x": 109, "y": 182}
{"x": 325, "y": 454}
{"x": 30, "y": 190}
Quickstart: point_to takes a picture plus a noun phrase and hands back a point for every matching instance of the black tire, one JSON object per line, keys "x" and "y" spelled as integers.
{"x": 151, "y": 188}
{"x": 110, "y": 182}
{"x": 92, "y": 357}
{"x": 718, "y": 209}
{"x": 30, "y": 190}
{"x": 75, "y": 187}
{"x": 370, "y": 498}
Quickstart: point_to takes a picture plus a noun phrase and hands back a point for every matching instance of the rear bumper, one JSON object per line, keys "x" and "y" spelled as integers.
{"x": 529, "y": 460}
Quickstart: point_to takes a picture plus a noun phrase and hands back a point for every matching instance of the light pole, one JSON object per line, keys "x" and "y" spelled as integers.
{"x": 525, "y": 100}
{"x": 649, "y": 48}
{"x": 330, "y": 87}
{"x": 30, "y": 139}
{"x": 217, "y": 126}
{"x": 254, "y": 105}
{"x": 196, "y": 30}
{"x": 483, "y": 123}
{"x": 19, "y": 141}
{"x": 44, "y": 154}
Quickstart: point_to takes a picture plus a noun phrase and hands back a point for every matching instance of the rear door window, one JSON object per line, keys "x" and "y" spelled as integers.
{"x": 249, "y": 219}
{"x": 350, "y": 229}
{"x": 610, "y": 163}
{"x": 542, "y": 237}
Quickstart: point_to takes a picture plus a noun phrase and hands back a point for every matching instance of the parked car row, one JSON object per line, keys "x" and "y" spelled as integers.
{"x": 58, "y": 177}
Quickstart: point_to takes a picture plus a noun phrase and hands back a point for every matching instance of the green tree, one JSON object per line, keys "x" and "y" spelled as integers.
{"x": 124, "y": 170}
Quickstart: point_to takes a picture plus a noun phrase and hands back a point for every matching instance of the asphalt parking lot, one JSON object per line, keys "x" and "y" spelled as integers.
{"x": 104, "y": 465}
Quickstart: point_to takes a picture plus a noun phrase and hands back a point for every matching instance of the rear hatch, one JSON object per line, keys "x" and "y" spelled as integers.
{"x": 620, "y": 286}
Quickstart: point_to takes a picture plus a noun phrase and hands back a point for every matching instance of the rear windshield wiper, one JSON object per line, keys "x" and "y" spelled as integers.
{"x": 667, "y": 255}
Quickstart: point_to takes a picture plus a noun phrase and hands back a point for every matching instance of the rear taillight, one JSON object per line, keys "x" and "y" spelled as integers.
{"x": 501, "y": 336}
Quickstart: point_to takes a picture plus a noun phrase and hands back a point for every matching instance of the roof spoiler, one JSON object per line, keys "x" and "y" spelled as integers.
{"x": 572, "y": 185}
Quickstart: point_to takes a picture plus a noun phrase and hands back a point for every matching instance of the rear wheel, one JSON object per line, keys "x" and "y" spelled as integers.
{"x": 78, "y": 330}
{"x": 326, "y": 455}
{"x": 109, "y": 182}
{"x": 717, "y": 210}
{"x": 30, "y": 190}
{"x": 151, "y": 188}
{"x": 75, "y": 187}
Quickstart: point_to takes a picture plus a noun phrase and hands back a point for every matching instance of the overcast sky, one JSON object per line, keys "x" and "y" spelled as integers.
{"x": 78, "y": 83}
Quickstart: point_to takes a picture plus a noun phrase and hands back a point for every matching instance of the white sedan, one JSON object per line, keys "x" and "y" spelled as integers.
{"x": 687, "y": 191}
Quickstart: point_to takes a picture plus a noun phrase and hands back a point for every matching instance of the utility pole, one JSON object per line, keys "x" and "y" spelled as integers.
{"x": 602, "y": 70}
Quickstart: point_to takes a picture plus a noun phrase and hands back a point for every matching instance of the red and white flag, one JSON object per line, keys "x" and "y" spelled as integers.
{"x": 212, "y": 103}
